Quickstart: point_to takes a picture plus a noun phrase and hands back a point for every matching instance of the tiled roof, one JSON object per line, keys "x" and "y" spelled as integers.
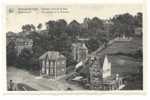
{"x": 53, "y": 55}
{"x": 79, "y": 45}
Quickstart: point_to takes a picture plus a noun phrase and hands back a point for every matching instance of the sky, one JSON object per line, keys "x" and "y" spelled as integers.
{"x": 16, "y": 16}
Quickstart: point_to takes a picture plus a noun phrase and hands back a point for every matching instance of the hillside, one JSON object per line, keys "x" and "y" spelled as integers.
{"x": 128, "y": 67}
{"x": 122, "y": 47}
{"x": 121, "y": 64}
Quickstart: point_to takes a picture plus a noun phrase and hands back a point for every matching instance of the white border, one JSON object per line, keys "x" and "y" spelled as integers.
{"x": 39, "y": 2}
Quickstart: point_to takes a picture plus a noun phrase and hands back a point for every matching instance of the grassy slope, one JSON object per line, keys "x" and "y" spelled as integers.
{"x": 124, "y": 46}
{"x": 125, "y": 65}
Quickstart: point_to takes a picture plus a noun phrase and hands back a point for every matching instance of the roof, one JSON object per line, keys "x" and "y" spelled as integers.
{"x": 79, "y": 45}
{"x": 53, "y": 55}
{"x": 10, "y": 34}
{"x": 77, "y": 78}
{"x": 138, "y": 28}
{"x": 83, "y": 39}
{"x": 24, "y": 40}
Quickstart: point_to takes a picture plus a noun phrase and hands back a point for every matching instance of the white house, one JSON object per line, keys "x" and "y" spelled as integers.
{"x": 106, "y": 68}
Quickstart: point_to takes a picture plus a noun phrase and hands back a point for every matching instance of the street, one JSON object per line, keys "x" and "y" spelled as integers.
{"x": 37, "y": 82}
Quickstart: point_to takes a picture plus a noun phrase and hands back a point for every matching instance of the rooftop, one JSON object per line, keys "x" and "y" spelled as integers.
{"x": 79, "y": 45}
{"x": 53, "y": 55}
{"x": 24, "y": 40}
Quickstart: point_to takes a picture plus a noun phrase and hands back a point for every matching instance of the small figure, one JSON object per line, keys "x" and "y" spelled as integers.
{"x": 69, "y": 88}
{"x": 11, "y": 86}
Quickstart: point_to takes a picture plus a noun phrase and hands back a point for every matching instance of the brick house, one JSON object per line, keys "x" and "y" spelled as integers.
{"x": 52, "y": 64}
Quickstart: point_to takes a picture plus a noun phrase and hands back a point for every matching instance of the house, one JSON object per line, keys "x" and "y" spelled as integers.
{"x": 81, "y": 39}
{"x": 79, "y": 51}
{"x": 100, "y": 75}
{"x": 123, "y": 38}
{"x": 10, "y": 37}
{"x": 23, "y": 43}
{"x": 138, "y": 31}
{"x": 52, "y": 64}
{"x": 106, "y": 68}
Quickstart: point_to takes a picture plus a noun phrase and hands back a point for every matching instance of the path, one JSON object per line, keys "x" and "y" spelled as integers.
{"x": 39, "y": 83}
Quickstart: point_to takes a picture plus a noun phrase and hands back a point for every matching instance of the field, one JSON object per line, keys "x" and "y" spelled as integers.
{"x": 126, "y": 66}
{"x": 122, "y": 46}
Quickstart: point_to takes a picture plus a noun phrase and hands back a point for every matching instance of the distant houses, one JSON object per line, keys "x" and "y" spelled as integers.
{"x": 99, "y": 75}
{"x": 123, "y": 38}
{"x": 10, "y": 37}
{"x": 138, "y": 31}
{"x": 23, "y": 43}
{"x": 79, "y": 51}
{"x": 52, "y": 64}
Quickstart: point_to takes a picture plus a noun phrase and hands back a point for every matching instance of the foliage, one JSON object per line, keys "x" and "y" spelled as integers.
{"x": 24, "y": 60}
{"x": 39, "y": 26}
{"x": 92, "y": 45}
{"x": 59, "y": 35}
{"x": 125, "y": 24}
{"x": 11, "y": 53}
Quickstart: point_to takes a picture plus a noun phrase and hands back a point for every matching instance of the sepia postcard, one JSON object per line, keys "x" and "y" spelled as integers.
{"x": 75, "y": 48}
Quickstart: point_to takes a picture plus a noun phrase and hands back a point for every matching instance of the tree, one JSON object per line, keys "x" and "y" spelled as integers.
{"x": 26, "y": 27}
{"x": 25, "y": 60}
{"x": 96, "y": 24}
{"x": 23, "y": 28}
{"x": 11, "y": 54}
{"x": 39, "y": 26}
{"x": 60, "y": 27}
{"x": 33, "y": 28}
{"x": 73, "y": 29}
{"x": 139, "y": 19}
{"x": 92, "y": 45}
{"x": 51, "y": 28}
{"x": 123, "y": 24}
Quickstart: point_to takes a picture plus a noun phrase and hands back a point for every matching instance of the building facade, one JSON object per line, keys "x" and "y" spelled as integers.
{"x": 52, "y": 64}
{"x": 23, "y": 43}
{"x": 79, "y": 51}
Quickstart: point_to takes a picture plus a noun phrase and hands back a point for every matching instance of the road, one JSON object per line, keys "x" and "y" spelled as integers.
{"x": 37, "y": 82}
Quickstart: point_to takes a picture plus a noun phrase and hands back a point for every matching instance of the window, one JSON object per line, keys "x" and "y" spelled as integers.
{"x": 47, "y": 63}
{"x": 51, "y": 71}
{"x": 51, "y": 63}
{"x": 63, "y": 69}
{"x": 54, "y": 63}
{"x": 43, "y": 63}
{"x": 58, "y": 62}
{"x": 63, "y": 62}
